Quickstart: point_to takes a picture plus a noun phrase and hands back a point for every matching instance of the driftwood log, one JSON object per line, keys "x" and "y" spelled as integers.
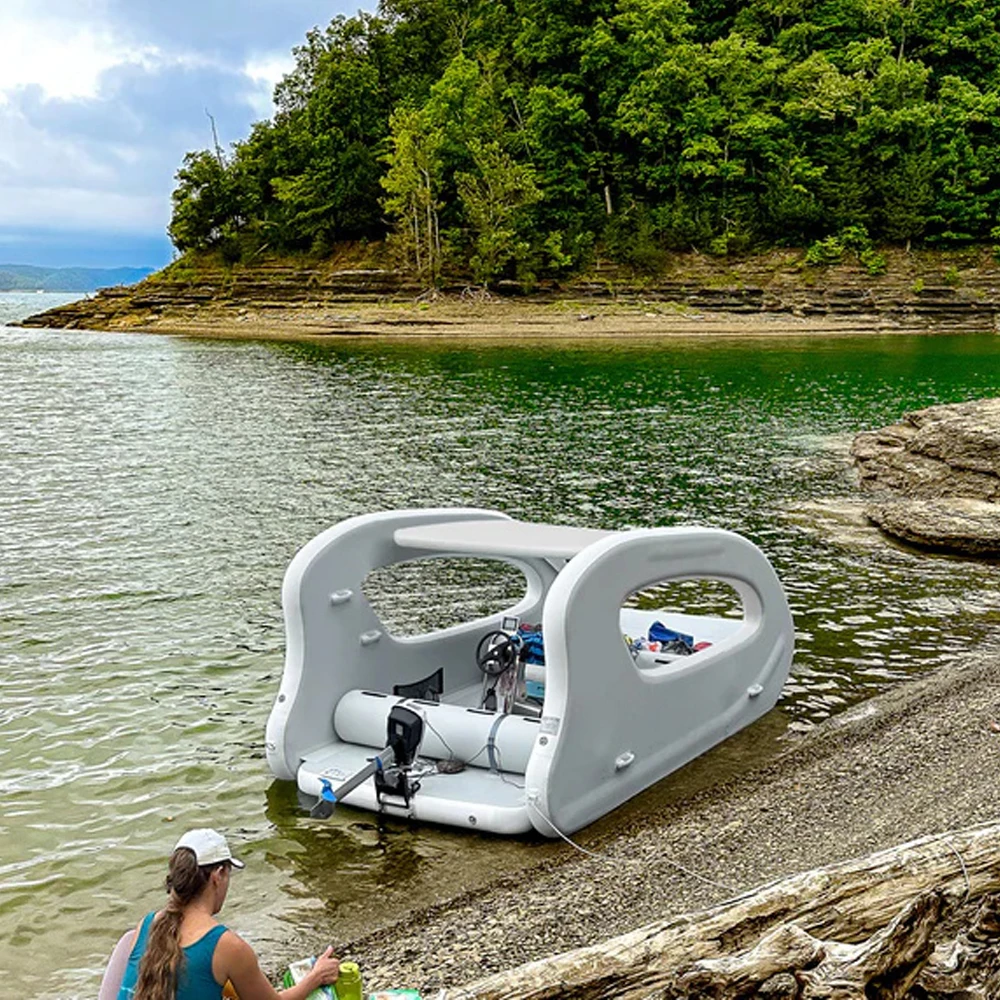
{"x": 920, "y": 921}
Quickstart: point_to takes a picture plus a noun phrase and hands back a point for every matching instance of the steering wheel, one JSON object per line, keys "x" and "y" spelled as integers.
{"x": 494, "y": 659}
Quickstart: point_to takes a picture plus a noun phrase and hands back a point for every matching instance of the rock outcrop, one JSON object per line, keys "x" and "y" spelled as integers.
{"x": 933, "y": 479}
{"x": 920, "y": 291}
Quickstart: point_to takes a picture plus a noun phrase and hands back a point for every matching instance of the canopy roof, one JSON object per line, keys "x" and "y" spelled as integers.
{"x": 497, "y": 537}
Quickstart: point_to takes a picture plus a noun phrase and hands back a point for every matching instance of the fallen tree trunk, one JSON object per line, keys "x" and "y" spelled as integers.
{"x": 873, "y": 927}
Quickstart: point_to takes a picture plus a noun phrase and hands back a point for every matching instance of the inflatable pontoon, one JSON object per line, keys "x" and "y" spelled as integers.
{"x": 547, "y": 715}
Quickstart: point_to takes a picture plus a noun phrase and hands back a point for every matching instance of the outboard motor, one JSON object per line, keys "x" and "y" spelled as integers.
{"x": 390, "y": 766}
{"x": 405, "y": 731}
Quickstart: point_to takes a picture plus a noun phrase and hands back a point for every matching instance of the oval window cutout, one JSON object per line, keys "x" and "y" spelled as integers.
{"x": 428, "y": 595}
{"x": 675, "y": 619}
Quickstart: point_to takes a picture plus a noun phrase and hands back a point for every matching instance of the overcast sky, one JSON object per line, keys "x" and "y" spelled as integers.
{"x": 101, "y": 99}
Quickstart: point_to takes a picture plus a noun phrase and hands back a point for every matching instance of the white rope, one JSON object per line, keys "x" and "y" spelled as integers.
{"x": 605, "y": 857}
{"x": 572, "y": 843}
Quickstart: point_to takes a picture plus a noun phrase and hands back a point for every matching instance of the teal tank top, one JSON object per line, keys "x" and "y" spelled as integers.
{"x": 196, "y": 981}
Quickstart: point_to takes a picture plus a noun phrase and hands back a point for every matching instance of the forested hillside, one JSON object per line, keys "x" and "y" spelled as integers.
{"x": 521, "y": 137}
{"x": 26, "y": 277}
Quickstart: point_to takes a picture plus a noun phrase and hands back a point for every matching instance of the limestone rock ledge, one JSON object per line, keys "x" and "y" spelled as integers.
{"x": 933, "y": 479}
{"x": 357, "y": 291}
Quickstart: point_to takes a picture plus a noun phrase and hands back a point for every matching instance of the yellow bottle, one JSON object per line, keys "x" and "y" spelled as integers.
{"x": 348, "y": 984}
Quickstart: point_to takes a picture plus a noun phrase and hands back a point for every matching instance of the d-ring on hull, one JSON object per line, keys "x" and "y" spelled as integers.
{"x": 610, "y": 721}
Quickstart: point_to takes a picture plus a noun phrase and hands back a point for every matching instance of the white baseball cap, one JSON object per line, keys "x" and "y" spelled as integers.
{"x": 209, "y": 846}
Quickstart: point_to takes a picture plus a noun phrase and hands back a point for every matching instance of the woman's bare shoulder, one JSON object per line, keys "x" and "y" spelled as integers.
{"x": 233, "y": 945}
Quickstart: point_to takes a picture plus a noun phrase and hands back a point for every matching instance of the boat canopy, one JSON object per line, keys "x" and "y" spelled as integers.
{"x": 545, "y": 715}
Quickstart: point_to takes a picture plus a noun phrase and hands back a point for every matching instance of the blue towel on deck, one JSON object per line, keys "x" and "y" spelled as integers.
{"x": 658, "y": 632}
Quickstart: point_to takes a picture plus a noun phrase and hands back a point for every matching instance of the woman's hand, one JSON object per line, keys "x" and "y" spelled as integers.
{"x": 325, "y": 970}
{"x": 235, "y": 959}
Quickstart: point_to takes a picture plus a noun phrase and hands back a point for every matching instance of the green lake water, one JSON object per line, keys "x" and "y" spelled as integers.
{"x": 153, "y": 490}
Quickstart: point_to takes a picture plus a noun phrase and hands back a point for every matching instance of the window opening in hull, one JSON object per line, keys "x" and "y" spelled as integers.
{"x": 428, "y": 595}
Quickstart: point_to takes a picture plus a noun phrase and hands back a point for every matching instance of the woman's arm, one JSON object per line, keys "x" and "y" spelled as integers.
{"x": 237, "y": 962}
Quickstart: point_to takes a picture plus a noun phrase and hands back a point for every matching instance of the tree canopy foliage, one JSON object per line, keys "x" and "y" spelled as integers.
{"x": 519, "y": 137}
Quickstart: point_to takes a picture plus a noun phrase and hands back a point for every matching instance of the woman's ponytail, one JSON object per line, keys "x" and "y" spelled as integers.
{"x": 163, "y": 958}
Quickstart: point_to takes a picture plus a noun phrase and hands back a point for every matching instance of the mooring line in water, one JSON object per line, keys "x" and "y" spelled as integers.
{"x": 604, "y": 857}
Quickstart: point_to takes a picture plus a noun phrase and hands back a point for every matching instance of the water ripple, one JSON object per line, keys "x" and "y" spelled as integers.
{"x": 153, "y": 490}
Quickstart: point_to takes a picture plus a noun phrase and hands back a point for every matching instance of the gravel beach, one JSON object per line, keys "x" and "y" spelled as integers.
{"x": 920, "y": 759}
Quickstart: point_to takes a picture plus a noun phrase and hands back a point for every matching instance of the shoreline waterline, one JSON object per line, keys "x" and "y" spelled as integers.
{"x": 524, "y": 325}
{"x": 832, "y": 795}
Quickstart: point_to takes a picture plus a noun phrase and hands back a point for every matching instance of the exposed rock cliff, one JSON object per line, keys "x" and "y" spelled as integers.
{"x": 934, "y": 478}
{"x": 918, "y": 291}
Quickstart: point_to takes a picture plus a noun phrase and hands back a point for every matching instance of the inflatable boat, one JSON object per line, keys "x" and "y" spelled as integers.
{"x": 544, "y": 716}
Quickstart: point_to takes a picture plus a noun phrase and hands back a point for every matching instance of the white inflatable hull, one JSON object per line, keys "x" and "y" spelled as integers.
{"x": 610, "y": 723}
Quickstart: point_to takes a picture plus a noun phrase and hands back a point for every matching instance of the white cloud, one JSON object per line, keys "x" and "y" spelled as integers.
{"x": 64, "y": 58}
{"x": 69, "y": 60}
{"x": 77, "y": 208}
{"x": 269, "y": 68}
{"x": 36, "y": 154}
{"x": 101, "y": 99}
{"x": 88, "y": 163}
{"x": 264, "y": 72}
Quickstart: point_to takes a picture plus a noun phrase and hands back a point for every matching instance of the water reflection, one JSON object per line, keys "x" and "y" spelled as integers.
{"x": 356, "y": 871}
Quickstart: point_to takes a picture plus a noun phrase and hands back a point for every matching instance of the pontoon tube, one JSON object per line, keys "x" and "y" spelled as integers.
{"x": 470, "y": 735}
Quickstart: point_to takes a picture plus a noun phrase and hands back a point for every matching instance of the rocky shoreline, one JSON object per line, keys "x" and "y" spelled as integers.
{"x": 351, "y": 294}
{"x": 920, "y": 759}
{"x": 933, "y": 478}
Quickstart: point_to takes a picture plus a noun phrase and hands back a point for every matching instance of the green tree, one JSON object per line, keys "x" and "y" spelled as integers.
{"x": 453, "y": 178}
{"x": 412, "y": 186}
{"x": 205, "y": 210}
{"x": 525, "y": 133}
{"x": 965, "y": 140}
{"x": 493, "y": 198}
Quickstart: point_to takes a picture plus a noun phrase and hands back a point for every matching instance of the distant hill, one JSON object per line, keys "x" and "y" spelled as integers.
{"x": 25, "y": 277}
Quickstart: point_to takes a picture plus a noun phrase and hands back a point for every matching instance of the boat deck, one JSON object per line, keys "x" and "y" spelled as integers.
{"x": 493, "y": 800}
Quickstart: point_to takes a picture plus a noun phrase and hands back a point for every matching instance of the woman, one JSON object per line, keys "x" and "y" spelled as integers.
{"x": 183, "y": 953}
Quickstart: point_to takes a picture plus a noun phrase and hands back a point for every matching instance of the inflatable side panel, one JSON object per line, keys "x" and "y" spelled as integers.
{"x": 610, "y": 729}
{"x": 335, "y": 642}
